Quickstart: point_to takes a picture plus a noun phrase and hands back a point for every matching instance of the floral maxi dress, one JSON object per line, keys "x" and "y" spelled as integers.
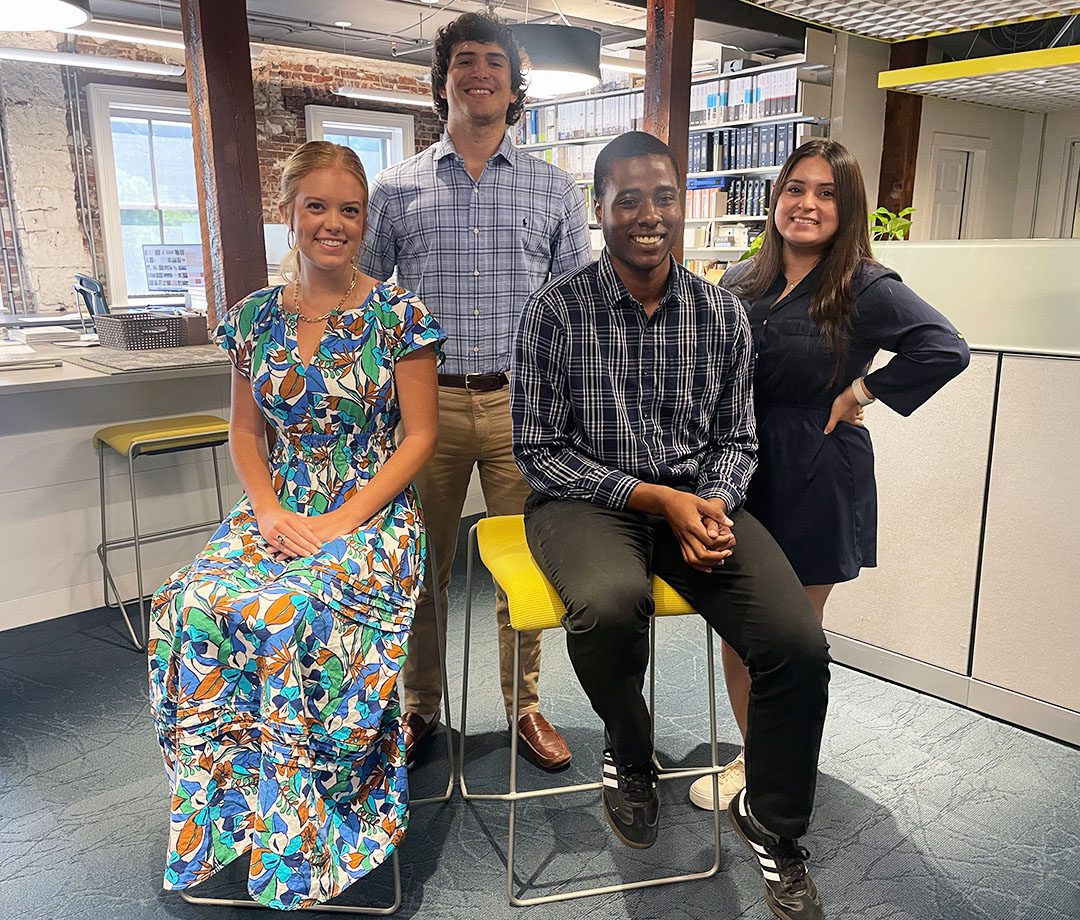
{"x": 273, "y": 681}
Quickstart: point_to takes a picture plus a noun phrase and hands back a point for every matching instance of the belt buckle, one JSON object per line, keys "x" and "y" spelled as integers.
{"x": 469, "y": 389}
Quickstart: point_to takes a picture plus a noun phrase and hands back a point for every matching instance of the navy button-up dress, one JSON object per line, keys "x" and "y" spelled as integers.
{"x": 814, "y": 492}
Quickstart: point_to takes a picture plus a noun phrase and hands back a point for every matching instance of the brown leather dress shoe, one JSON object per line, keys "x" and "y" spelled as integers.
{"x": 541, "y": 742}
{"x": 416, "y": 730}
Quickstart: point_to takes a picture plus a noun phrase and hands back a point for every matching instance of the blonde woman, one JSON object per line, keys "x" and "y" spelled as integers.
{"x": 274, "y": 656}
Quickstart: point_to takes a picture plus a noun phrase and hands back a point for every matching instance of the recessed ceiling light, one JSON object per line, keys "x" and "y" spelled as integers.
{"x": 343, "y": 23}
{"x": 43, "y": 15}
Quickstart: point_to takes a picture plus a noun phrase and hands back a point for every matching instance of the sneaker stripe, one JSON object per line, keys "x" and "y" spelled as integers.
{"x": 771, "y": 876}
{"x": 767, "y": 863}
{"x": 611, "y": 781}
{"x": 759, "y": 848}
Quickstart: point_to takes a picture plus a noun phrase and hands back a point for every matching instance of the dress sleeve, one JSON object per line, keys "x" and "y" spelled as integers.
{"x": 928, "y": 351}
{"x": 415, "y": 327}
{"x": 237, "y": 331}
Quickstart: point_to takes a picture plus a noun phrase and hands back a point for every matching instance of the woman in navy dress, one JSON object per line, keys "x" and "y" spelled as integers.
{"x": 820, "y": 308}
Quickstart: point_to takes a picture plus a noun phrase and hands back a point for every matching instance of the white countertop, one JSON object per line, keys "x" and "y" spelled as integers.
{"x": 68, "y": 374}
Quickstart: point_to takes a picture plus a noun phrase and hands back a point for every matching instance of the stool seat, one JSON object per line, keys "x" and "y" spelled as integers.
{"x": 174, "y": 433}
{"x": 534, "y": 603}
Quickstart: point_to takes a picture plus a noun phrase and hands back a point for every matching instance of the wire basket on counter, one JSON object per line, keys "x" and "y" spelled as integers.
{"x": 136, "y": 331}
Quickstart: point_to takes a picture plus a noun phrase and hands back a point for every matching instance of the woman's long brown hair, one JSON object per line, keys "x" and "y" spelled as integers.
{"x": 833, "y": 303}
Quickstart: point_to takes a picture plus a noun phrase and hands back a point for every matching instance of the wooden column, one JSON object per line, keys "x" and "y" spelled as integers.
{"x": 669, "y": 52}
{"x": 900, "y": 142}
{"x": 226, "y": 152}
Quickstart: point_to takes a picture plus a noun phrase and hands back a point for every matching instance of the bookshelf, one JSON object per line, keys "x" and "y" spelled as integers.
{"x": 743, "y": 125}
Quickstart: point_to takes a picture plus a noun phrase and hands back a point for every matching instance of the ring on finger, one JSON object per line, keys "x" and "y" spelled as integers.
{"x": 281, "y": 539}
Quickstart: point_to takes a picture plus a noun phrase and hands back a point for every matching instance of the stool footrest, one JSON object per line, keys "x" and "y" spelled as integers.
{"x": 157, "y": 535}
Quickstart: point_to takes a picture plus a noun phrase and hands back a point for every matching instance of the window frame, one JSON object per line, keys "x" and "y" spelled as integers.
{"x": 320, "y": 118}
{"x": 103, "y": 101}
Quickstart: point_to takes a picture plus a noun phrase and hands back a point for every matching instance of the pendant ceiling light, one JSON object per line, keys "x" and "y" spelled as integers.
{"x": 562, "y": 59}
{"x": 43, "y": 15}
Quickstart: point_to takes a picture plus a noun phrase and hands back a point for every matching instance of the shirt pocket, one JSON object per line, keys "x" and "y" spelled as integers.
{"x": 534, "y": 235}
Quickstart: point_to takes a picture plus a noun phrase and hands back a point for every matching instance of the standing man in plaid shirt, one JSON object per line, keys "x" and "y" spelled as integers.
{"x": 474, "y": 226}
{"x": 631, "y": 391}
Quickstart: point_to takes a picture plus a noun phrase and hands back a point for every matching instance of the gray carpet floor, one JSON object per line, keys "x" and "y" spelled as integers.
{"x": 924, "y": 810}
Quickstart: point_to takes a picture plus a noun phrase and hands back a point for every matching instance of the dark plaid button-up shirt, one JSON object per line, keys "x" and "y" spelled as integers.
{"x": 604, "y": 398}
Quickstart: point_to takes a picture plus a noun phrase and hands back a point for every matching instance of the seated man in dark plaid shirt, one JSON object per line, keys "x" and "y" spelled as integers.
{"x": 634, "y": 425}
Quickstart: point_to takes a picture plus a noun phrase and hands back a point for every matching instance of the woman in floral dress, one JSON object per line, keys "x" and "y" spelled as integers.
{"x": 274, "y": 656}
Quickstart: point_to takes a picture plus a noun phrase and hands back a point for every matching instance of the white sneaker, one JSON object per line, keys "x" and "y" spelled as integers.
{"x": 730, "y": 780}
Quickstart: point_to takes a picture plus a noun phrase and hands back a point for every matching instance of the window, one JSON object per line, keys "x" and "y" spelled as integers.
{"x": 378, "y": 138}
{"x": 145, "y": 166}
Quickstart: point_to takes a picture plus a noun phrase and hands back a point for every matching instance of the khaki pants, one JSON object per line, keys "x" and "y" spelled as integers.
{"x": 474, "y": 429}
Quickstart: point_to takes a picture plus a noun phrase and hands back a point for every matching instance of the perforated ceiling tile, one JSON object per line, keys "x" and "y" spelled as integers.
{"x": 905, "y": 19}
{"x": 1031, "y": 81}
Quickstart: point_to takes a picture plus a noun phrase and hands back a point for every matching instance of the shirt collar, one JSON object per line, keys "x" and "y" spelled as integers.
{"x": 445, "y": 148}
{"x": 614, "y": 291}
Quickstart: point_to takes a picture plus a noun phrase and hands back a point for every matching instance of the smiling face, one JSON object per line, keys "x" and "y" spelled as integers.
{"x": 806, "y": 213}
{"x": 478, "y": 83}
{"x": 640, "y": 212}
{"x": 328, "y": 217}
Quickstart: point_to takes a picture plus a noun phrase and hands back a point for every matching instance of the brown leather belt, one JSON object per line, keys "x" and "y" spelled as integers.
{"x": 475, "y": 383}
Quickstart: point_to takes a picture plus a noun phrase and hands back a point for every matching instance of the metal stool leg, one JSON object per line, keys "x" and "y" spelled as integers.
{"x": 217, "y": 482}
{"x": 143, "y": 625}
{"x": 339, "y": 908}
{"x": 107, "y": 580}
{"x": 470, "y": 560}
{"x": 103, "y": 548}
{"x": 440, "y": 629}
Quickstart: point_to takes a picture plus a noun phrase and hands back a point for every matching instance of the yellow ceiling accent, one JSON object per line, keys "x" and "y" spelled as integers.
{"x": 901, "y": 20}
{"x": 1030, "y": 81}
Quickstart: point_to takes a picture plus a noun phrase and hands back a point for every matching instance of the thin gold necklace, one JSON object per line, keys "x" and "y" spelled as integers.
{"x": 320, "y": 319}
{"x": 791, "y": 285}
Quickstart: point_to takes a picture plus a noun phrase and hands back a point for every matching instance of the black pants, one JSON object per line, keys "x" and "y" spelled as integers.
{"x": 599, "y": 561}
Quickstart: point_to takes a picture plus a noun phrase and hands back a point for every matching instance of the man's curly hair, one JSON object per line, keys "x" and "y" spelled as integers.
{"x": 487, "y": 29}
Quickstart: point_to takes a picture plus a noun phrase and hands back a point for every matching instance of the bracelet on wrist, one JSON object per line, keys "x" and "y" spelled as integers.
{"x": 861, "y": 396}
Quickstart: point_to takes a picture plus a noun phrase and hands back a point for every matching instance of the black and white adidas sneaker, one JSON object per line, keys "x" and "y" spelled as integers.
{"x": 789, "y": 890}
{"x": 630, "y": 803}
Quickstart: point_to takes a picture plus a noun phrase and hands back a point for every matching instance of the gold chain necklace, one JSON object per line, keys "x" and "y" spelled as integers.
{"x": 791, "y": 285}
{"x": 320, "y": 319}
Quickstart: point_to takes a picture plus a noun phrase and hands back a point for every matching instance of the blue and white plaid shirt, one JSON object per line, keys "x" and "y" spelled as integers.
{"x": 474, "y": 251}
{"x": 604, "y": 398}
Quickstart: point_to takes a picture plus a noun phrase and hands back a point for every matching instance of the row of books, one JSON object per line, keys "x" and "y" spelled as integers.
{"x": 735, "y": 98}
{"x": 567, "y": 121}
{"x": 752, "y": 147}
{"x": 577, "y": 160}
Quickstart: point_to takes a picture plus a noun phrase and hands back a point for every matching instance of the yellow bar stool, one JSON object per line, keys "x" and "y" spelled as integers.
{"x": 135, "y": 439}
{"x": 534, "y": 604}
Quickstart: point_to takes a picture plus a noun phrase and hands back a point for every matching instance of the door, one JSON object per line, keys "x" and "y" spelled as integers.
{"x": 952, "y": 183}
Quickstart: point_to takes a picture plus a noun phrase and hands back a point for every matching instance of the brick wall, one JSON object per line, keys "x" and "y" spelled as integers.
{"x": 285, "y": 81}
